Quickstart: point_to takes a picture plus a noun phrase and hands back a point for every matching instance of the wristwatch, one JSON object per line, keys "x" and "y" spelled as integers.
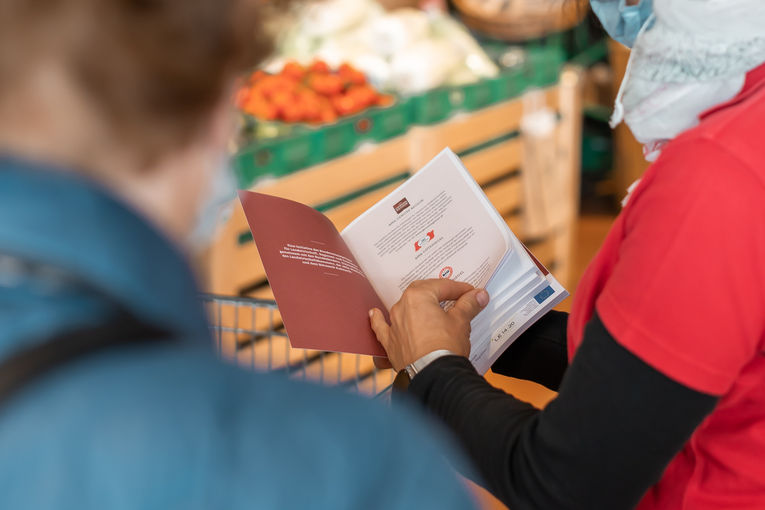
{"x": 417, "y": 366}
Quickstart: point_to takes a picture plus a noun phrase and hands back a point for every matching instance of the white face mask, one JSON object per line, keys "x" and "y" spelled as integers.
{"x": 689, "y": 57}
{"x": 216, "y": 207}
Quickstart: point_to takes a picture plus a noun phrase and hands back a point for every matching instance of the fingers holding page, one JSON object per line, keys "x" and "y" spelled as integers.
{"x": 418, "y": 324}
{"x": 470, "y": 304}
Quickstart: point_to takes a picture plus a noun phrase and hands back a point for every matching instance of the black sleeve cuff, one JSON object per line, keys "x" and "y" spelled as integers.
{"x": 540, "y": 354}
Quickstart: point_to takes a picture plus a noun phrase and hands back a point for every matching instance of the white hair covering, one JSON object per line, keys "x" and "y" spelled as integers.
{"x": 691, "y": 56}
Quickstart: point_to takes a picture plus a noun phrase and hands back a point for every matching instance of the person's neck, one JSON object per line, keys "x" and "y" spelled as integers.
{"x": 69, "y": 139}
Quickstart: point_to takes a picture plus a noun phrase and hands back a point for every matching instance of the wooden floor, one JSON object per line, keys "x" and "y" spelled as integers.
{"x": 591, "y": 230}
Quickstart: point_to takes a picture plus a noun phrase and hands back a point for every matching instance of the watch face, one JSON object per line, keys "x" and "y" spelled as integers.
{"x": 401, "y": 382}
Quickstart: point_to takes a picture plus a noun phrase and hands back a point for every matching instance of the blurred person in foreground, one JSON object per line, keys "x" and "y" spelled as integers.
{"x": 114, "y": 117}
{"x": 660, "y": 367}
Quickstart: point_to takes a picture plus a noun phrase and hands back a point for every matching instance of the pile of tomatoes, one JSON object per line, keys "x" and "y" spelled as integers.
{"x": 315, "y": 94}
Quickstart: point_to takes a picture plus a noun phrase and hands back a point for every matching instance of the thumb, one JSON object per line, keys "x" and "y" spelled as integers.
{"x": 470, "y": 304}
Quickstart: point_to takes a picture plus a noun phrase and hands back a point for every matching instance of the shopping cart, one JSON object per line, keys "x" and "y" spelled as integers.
{"x": 250, "y": 332}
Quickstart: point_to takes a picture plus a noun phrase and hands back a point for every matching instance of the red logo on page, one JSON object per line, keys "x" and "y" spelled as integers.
{"x": 422, "y": 242}
{"x": 401, "y": 205}
{"x": 446, "y": 272}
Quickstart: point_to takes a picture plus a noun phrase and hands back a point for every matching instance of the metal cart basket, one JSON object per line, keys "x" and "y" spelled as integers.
{"x": 250, "y": 332}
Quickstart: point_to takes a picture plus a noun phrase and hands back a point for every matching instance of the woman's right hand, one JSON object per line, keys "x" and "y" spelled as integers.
{"x": 420, "y": 326}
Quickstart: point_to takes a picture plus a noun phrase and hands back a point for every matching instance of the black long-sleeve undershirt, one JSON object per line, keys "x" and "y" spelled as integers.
{"x": 539, "y": 354}
{"x": 604, "y": 441}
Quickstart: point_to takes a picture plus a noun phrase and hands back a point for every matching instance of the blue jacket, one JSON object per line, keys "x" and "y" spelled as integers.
{"x": 168, "y": 425}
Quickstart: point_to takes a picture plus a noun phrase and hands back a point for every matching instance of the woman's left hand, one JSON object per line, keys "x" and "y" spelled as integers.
{"x": 420, "y": 326}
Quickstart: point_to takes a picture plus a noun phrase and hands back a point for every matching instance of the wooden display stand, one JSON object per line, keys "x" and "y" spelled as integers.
{"x": 488, "y": 142}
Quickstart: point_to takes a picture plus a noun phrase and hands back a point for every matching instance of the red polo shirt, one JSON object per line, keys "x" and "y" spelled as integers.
{"x": 680, "y": 283}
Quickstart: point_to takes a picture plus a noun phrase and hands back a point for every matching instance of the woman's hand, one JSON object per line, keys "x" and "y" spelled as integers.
{"x": 420, "y": 326}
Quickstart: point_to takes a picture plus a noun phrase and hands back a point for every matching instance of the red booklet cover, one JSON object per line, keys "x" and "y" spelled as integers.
{"x": 323, "y": 295}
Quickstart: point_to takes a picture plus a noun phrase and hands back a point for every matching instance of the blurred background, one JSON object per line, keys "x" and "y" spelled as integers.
{"x": 361, "y": 93}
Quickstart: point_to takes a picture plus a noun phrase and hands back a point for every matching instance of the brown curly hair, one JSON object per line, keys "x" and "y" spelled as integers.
{"x": 153, "y": 68}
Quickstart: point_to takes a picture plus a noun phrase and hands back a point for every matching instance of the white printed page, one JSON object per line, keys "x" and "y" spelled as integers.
{"x": 485, "y": 348}
{"x": 516, "y": 303}
{"x": 438, "y": 224}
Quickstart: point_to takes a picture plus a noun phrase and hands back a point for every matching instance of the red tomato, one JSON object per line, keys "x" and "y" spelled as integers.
{"x": 319, "y": 67}
{"x": 270, "y": 85}
{"x": 257, "y": 76}
{"x": 309, "y": 102}
{"x": 351, "y": 75}
{"x": 259, "y": 107}
{"x": 282, "y": 99}
{"x": 292, "y": 112}
{"x": 363, "y": 95}
{"x": 328, "y": 115}
{"x": 314, "y": 94}
{"x": 328, "y": 85}
{"x": 345, "y": 105}
{"x": 357, "y": 78}
{"x": 293, "y": 70}
{"x": 385, "y": 100}
{"x": 346, "y": 69}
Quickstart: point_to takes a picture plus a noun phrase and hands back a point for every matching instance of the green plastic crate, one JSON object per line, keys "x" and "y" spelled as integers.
{"x": 543, "y": 65}
{"x": 597, "y": 142}
{"x": 384, "y": 123}
{"x": 375, "y": 124}
{"x": 473, "y": 96}
{"x": 307, "y": 146}
{"x": 597, "y": 153}
{"x": 337, "y": 139}
{"x": 430, "y": 107}
{"x": 276, "y": 157}
{"x": 509, "y": 84}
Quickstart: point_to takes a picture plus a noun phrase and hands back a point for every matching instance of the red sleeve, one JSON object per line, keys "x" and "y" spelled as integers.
{"x": 686, "y": 295}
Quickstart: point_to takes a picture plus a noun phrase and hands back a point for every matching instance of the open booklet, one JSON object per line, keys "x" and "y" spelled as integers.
{"x": 437, "y": 224}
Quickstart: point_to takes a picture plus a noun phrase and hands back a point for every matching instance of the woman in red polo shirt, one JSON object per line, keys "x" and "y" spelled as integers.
{"x": 660, "y": 366}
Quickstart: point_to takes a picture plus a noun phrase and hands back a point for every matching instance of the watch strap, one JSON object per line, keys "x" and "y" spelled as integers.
{"x": 419, "y": 365}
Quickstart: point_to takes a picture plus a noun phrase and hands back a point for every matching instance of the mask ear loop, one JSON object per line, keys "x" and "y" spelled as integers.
{"x": 618, "y": 116}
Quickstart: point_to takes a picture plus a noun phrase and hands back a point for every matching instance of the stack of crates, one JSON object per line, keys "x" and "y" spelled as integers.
{"x": 306, "y": 146}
